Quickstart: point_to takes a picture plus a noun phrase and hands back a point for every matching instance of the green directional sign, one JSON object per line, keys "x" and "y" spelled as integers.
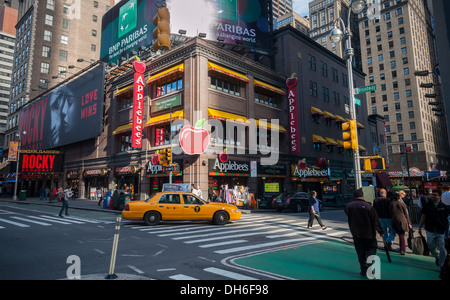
{"x": 358, "y": 101}
{"x": 366, "y": 89}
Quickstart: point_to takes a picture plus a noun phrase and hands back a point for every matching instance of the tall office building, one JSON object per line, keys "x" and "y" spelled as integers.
{"x": 8, "y": 18}
{"x": 53, "y": 41}
{"x": 395, "y": 43}
{"x": 321, "y": 16}
{"x": 281, "y": 7}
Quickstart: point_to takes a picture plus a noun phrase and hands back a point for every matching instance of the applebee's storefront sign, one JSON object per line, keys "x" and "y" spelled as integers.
{"x": 215, "y": 165}
{"x": 308, "y": 172}
{"x": 138, "y": 104}
{"x": 291, "y": 83}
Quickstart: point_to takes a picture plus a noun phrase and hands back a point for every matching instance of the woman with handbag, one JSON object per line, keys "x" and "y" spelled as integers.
{"x": 400, "y": 220}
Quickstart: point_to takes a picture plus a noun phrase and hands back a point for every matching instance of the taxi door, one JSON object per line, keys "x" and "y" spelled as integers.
{"x": 195, "y": 209}
{"x": 169, "y": 205}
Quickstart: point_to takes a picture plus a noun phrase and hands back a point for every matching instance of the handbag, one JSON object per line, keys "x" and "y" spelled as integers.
{"x": 419, "y": 244}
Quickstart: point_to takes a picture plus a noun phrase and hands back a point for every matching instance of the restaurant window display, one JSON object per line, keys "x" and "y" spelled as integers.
{"x": 93, "y": 180}
{"x": 228, "y": 180}
{"x": 158, "y": 176}
{"x": 127, "y": 180}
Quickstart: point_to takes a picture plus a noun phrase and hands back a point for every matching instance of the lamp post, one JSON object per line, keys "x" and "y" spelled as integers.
{"x": 336, "y": 36}
{"x": 18, "y": 134}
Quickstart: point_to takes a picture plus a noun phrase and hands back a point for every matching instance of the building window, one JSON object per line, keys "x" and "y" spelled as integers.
{"x": 125, "y": 143}
{"x": 50, "y": 4}
{"x": 48, "y": 20}
{"x": 45, "y": 68}
{"x": 62, "y": 55}
{"x": 47, "y": 35}
{"x": 46, "y": 51}
{"x": 65, "y": 24}
{"x": 64, "y": 40}
{"x": 169, "y": 85}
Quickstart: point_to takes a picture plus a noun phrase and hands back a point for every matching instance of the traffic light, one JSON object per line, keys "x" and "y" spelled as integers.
{"x": 162, "y": 30}
{"x": 350, "y": 135}
{"x": 163, "y": 157}
{"x": 169, "y": 156}
{"x": 373, "y": 164}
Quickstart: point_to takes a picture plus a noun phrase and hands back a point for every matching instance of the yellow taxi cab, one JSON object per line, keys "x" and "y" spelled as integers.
{"x": 179, "y": 206}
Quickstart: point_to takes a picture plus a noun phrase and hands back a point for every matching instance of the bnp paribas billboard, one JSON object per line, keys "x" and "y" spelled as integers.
{"x": 129, "y": 24}
{"x": 126, "y": 26}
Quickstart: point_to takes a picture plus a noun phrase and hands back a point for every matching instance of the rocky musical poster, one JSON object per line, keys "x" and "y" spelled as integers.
{"x": 69, "y": 114}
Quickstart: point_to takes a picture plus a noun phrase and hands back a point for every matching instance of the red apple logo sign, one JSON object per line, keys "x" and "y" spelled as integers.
{"x": 223, "y": 156}
{"x": 194, "y": 140}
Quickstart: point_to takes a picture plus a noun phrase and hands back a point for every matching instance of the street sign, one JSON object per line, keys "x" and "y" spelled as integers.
{"x": 358, "y": 101}
{"x": 366, "y": 89}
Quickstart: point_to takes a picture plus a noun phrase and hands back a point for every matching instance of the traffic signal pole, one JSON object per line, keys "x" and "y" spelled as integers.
{"x": 349, "y": 53}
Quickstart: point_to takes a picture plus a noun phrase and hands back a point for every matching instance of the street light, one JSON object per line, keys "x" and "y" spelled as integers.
{"x": 336, "y": 36}
{"x": 19, "y": 135}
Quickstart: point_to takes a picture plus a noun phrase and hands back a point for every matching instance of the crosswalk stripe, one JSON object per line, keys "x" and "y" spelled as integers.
{"x": 223, "y": 243}
{"x": 228, "y": 274}
{"x": 49, "y": 220}
{"x": 226, "y": 232}
{"x": 31, "y": 221}
{"x": 182, "y": 277}
{"x": 276, "y": 243}
{"x": 14, "y": 223}
{"x": 59, "y": 219}
{"x": 82, "y": 220}
{"x": 206, "y": 229}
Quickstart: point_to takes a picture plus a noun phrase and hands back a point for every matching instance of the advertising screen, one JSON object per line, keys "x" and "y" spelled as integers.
{"x": 67, "y": 115}
{"x": 40, "y": 162}
{"x": 126, "y": 26}
{"x": 246, "y": 21}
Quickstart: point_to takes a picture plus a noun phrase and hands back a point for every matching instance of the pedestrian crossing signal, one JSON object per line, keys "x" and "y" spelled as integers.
{"x": 373, "y": 164}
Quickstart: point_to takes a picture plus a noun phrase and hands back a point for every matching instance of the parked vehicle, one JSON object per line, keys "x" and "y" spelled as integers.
{"x": 298, "y": 202}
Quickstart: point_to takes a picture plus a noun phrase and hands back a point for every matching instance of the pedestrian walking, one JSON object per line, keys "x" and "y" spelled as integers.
{"x": 381, "y": 205}
{"x": 47, "y": 193}
{"x": 194, "y": 190}
{"x": 65, "y": 201}
{"x": 364, "y": 224}
{"x": 199, "y": 192}
{"x": 54, "y": 192}
{"x": 435, "y": 218}
{"x": 314, "y": 211}
{"x": 42, "y": 192}
{"x": 400, "y": 220}
{"x": 426, "y": 198}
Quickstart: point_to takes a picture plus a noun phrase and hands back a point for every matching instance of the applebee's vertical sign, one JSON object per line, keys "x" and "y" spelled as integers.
{"x": 291, "y": 83}
{"x": 138, "y": 103}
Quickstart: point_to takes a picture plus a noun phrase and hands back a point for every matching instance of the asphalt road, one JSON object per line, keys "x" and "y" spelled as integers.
{"x": 36, "y": 244}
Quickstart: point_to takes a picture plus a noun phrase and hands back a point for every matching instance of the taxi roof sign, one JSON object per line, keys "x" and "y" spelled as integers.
{"x": 176, "y": 187}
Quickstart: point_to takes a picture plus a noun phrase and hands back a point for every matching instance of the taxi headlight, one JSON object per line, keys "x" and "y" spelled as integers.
{"x": 235, "y": 210}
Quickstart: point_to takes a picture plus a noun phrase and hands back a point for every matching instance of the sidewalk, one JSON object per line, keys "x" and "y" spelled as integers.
{"x": 79, "y": 203}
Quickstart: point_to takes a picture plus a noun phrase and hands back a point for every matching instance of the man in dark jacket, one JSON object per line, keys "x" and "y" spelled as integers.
{"x": 381, "y": 205}
{"x": 363, "y": 222}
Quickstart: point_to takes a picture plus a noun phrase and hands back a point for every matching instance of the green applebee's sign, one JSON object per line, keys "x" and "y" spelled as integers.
{"x": 127, "y": 26}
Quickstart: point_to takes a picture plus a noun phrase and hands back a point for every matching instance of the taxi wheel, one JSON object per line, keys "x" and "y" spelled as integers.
{"x": 221, "y": 218}
{"x": 152, "y": 218}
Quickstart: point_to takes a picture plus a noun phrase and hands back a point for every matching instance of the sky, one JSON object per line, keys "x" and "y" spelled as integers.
{"x": 301, "y": 7}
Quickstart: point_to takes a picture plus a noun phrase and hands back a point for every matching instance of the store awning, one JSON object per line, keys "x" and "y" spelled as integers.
{"x": 123, "y": 128}
{"x": 173, "y": 70}
{"x": 268, "y": 87}
{"x": 340, "y": 144}
{"x": 179, "y": 114}
{"x": 317, "y": 139}
{"x": 339, "y": 119}
{"x": 330, "y": 142}
{"x": 328, "y": 115}
{"x": 270, "y": 126}
{"x": 221, "y": 115}
{"x": 227, "y": 72}
{"x": 359, "y": 125}
{"x": 362, "y": 148}
{"x": 316, "y": 111}
{"x": 124, "y": 90}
